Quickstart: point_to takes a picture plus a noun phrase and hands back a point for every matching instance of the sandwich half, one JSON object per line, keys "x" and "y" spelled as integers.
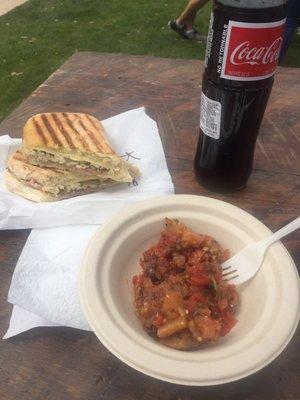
{"x": 74, "y": 142}
{"x": 48, "y": 184}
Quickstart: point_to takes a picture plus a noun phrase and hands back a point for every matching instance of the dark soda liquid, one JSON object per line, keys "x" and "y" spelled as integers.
{"x": 225, "y": 164}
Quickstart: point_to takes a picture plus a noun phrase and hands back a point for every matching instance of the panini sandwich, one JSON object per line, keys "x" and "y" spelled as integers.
{"x": 48, "y": 184}
{"x": 64, "y": 155}
{"x": 74, "y": 142}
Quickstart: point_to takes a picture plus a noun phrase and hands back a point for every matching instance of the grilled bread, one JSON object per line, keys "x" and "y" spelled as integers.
{"x": 74, "y": 142}
{"x": 48, "y": 184}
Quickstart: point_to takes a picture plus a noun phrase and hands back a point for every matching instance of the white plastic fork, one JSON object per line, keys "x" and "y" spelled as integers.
{"x": 246, "y": 263}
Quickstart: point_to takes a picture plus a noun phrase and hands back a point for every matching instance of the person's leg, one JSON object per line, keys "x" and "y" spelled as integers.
{"x": 189, "y": 24}
{"x": 187, "y": 17}
{"x": 184, "y": 24}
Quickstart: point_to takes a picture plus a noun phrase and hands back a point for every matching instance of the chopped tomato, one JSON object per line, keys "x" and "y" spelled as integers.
{"x": 137, "y": 280}
{"x": 228, "y": 322}
{"x": 180, "y": 291}
{"x": 194, "y": 301}
{"x": 226, "y": 255}
{"x": 222, "y": 304}
{"x": 200, "y": 279}
{"x": 208, "y": 328}
{"x": 158, "y": 320}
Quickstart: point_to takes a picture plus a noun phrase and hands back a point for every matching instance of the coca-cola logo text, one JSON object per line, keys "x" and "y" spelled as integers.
{"x": 245, "y": 54}
{"x": 251, "y": 50}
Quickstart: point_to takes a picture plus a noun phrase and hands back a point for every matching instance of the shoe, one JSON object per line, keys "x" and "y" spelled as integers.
{"x": 180, "y": 29}
{"x": 192, "y": 34}
{"x": 195, "y": 35}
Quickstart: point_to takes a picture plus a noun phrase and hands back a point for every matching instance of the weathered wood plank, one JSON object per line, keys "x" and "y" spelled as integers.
{"x": 62, "y": 363}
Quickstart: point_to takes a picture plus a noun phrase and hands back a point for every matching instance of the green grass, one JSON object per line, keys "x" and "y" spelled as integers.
{"x": 37, "y": 37}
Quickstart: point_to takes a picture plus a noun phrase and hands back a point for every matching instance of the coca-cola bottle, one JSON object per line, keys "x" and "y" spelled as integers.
{"x": 242, "y": 51}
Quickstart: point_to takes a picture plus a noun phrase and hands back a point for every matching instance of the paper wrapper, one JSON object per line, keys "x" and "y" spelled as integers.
{"x": 134, "y": 135}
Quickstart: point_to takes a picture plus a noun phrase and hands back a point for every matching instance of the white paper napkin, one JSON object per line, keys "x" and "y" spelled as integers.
{"x": 22, "y": 320}
{"x": 135, "y": 136}
{"x": 44, "y": 287}
{"x": 45, "y": 280}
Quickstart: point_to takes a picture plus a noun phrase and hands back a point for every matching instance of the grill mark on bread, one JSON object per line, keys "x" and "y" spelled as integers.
{"x": 93, "y": 138}
{"x": 39, "y": 130}
{"x": 78, "y": 135}
{"x": 84, "y": 131}
{"x": 101, "y": 145}
{"x": 92, "y": 122}
{"x": 64, "y": 132}
{"x": 50, "y": 129}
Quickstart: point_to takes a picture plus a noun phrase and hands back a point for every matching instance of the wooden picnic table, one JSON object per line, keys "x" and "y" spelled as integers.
{"x": 64, "y": 363}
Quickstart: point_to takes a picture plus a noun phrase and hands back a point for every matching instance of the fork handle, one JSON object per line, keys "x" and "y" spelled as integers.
{"x": 289, "y": 228}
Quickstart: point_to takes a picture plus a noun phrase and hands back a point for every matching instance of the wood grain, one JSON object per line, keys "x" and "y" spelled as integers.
{"x": 63, "y": 363}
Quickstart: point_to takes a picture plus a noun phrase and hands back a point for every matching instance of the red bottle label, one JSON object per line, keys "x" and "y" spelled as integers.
{"x": 251, "y": 50}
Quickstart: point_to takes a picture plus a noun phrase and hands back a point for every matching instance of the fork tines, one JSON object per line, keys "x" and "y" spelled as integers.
{"x": 229, "y": 273}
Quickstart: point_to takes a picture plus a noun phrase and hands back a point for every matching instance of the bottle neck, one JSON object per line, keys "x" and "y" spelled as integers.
{"x": 252, "y": 3}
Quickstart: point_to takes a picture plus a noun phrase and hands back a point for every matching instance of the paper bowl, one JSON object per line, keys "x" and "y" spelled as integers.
{"x": 267, "y": 317}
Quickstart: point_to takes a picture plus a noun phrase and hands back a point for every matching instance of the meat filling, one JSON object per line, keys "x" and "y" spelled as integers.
{"x": 69, "y": 188}
{"x": 42, "y": 158}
